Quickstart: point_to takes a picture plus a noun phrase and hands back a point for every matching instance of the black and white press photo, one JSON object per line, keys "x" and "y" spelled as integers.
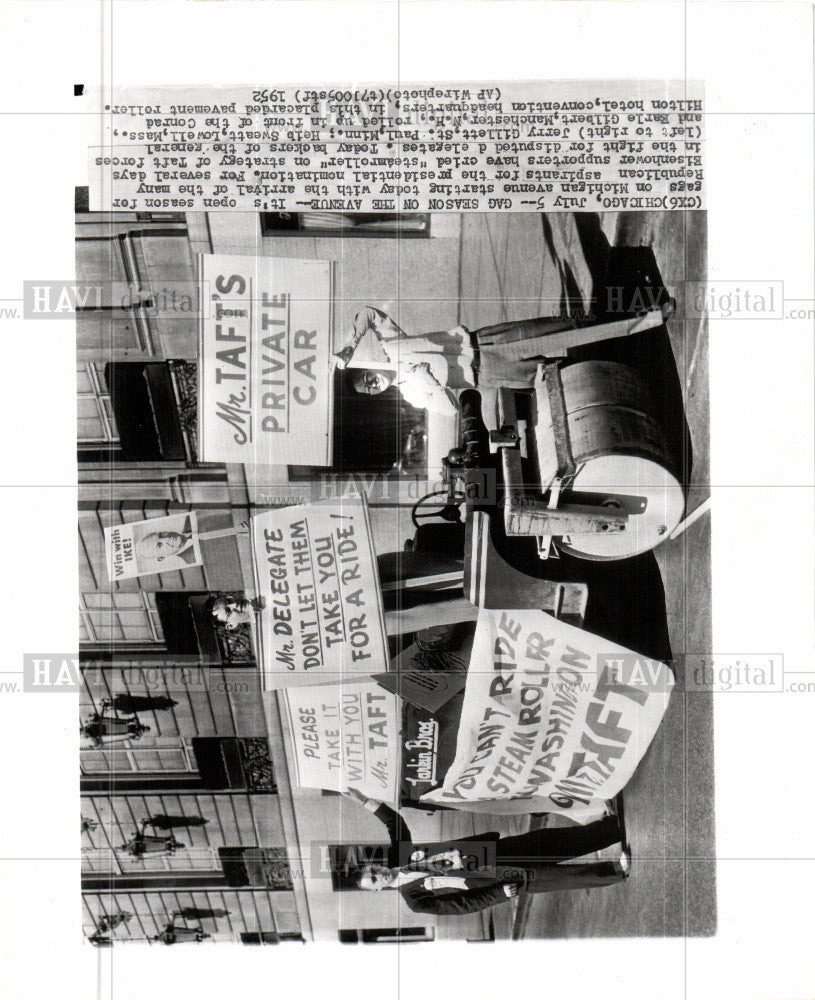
{"x": 394, "y": 556}
{"x": 409, "y": 477}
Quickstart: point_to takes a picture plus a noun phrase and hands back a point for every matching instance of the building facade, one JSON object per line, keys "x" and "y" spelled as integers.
{"x": 191, "y": 828}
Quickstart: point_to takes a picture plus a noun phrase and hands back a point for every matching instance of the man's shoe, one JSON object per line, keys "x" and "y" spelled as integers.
{"x": 615, "y": 807}
{"x": 668, "y": 308}
{"x": 624, "y": 860}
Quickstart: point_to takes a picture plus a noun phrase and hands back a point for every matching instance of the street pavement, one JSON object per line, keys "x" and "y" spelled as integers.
{"x": 516, "y": 267}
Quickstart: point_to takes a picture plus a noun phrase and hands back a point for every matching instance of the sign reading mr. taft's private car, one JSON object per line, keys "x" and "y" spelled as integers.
{"x": 265, "y": 347}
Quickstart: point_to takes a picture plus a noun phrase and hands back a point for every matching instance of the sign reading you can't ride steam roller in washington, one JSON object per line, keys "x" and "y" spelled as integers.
{"x": 264, "y": 360}
{"x": 554, "y": 718}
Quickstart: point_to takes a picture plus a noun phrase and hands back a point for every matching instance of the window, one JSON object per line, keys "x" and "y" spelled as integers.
{"x": 234, "y": 762}
{"x": 129, "y": 402}
{"x": 259, "y": 866}
{"x": 189, "y": 627}
{"x": 269, "y": 937}
{"x": 177, "y": 623}
{"x": 395, "y": 434}
{"x": 121, "y": 617}
{"x": 117, "y": 318}
{"x": 122, "y": 760}
{"x": 141, "y": 280}
{"x": 149, "y": 411}
{"x": 343, "y": 224}
{"x": 96, "y": 423}
{"x": 386, "y": 935}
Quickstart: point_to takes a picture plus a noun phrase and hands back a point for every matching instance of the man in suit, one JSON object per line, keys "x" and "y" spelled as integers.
{"x": 456, "y": 877}
{"x": 429, "y": 371}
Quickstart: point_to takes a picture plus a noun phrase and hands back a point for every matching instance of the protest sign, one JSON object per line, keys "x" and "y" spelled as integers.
{"x": 157, "y": 545}
{"x": 315, "y": 567}
{"x": 344, "y": 735}
{"x": 264, "y": 368}
{"x": 552, "y": 715}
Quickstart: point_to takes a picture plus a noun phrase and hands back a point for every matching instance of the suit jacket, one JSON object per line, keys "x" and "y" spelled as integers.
{"x": 484, "y": 880}
{"x": 486, "y": 889}
{"x": 187, "y": 555}
{"x": 402, "y": 845}
{"x": 485, "y": 886}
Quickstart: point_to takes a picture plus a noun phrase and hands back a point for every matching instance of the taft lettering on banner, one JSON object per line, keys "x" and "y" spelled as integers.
{"x": 547, "y": 716}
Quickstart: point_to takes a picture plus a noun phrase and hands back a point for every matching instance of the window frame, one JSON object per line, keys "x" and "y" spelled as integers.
{"x": 148, "y": 606}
